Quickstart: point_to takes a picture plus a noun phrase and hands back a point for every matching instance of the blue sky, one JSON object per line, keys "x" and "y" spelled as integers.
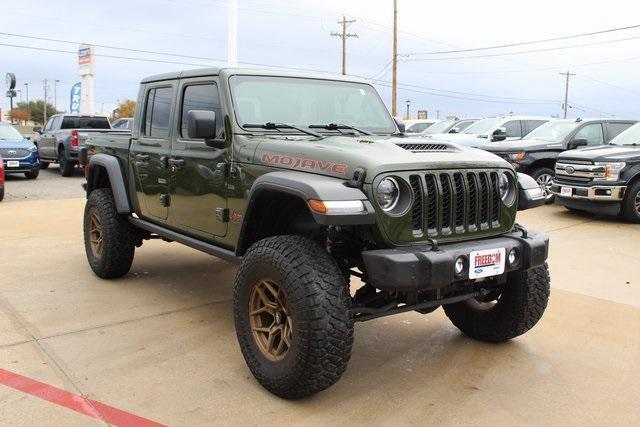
{"x": 296, "y": 34}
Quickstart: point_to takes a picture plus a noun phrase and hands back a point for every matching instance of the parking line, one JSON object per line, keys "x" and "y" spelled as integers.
{"x": 75, "y": 402}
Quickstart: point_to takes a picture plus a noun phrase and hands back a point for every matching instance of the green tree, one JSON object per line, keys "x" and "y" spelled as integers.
{"x": 36, "y": 109}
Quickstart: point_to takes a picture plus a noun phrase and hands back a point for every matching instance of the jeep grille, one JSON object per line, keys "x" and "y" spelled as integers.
{"x": 447, "y": 203}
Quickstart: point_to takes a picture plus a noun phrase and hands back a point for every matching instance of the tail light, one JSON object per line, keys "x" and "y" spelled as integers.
{"x": 1, "y": 172}
{"x": 74, "y": 138}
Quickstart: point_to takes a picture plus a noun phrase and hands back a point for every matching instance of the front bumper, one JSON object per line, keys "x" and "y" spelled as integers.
{"x": 27, "y": 164}
{"x": 420, "y": 268}
{"x": 605, "y": 193}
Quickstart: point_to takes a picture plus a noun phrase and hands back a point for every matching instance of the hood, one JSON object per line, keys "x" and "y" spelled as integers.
{"x": 603, "y": 153}
{"x": 16, "y": 143}
{"x": 340, "y": 156}
{"x": 517, "y": 145}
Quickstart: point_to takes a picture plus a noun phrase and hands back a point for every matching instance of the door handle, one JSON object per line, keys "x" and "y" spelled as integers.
{"x": 175, "y": 164}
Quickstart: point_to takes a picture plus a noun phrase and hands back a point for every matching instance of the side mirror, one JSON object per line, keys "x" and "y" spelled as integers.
{"x": 530, "y": 194}
{"x": 576, "y": 143}
{"x": 454, "y": 130}
{"x": 37, "y": 129}
{"x": 499, "y": 134}
{"x": 400, "y": 125}
{"x": 201, "y": 124}
{"x": 28, "y": 137}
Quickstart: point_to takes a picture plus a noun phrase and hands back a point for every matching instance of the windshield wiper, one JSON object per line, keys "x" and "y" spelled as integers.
{"x": 278, "y": 126}
{"x": 338, "y": 127}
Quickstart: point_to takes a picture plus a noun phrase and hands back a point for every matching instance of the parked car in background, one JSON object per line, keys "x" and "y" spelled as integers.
{"x": 1, "y": 179}
{"x": 123, "y": 123}
{"x": 418, "y": 125}
{"x": 448, "y": 126}
{"x": 602, "y": 179}
{"x": 536, "y": 153}
{"x": 494, "y": 129}
{"x": 19, "y": 154}
{"x": 62, "y": 137}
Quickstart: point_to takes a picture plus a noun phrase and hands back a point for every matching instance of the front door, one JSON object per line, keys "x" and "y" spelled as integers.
{"x": 149, "y": 153}
{"x": 46, "y": 140}
{"x": 198, "y": 172}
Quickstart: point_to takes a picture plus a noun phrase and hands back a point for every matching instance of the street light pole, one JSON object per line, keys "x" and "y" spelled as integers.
{"x": 408, "y": 105}
{"x": 55, "y": 94}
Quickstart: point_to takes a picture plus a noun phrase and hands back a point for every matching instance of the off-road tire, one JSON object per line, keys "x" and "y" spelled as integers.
{"x": 118, "y": 246}
{"x": 319, "y": 304}
{"x": 537, "y": 173}
{"x": 44, "y": 165}
{"x": 66, "y": 166}
{"x": 33, "y": 174}
{"x": 630, "y": 211}
{"x": 518, "y": 309}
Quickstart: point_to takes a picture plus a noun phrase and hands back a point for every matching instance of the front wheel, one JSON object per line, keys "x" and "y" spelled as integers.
{"x": 33, "y": 174}
{"x": 507, "y": 314}
{"x": 108, "y": 236}
{"x": 544, "y": 178}
{"x": 292, "y": 316}
{"x": 631, "y": 204}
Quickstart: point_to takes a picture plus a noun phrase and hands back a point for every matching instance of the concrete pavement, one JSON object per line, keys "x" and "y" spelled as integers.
{"x": 160, "y": 342}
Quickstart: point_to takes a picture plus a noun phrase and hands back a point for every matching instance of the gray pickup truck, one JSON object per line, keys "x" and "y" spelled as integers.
{"x": 62, "y": 137}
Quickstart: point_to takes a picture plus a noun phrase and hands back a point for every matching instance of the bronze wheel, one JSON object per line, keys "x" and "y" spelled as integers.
{"x": 270, "y": 320}
{"x": 95, "y": 232}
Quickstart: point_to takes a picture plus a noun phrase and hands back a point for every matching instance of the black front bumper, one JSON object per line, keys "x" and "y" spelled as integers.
{"x": 420, "y": 268}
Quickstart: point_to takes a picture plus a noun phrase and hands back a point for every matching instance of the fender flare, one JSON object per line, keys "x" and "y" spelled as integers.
{"x": 116, "y": 178}
{"x": 306, "y": 186}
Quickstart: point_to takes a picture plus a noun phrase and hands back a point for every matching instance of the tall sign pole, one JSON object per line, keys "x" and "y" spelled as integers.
{"x": 394, "y": 60}
{"x": 87, "y": 70}
{"x": 232, "y": 36}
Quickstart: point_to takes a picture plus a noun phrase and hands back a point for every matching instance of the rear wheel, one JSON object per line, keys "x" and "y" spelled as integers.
{"x": 65, "y": 164}
{"x": 292, "y": 316}
{"x": 508, "y": 314}
{"x": 108, "y": 236}
{"x": 631, "y": 204}
{"x": 33, "y": 174}
{"x": 544, "y": 178}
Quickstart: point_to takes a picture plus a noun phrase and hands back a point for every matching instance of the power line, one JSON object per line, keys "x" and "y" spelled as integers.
{"x": 624, "y": 89}
{"x": 526, "y": 51}
{"x": 530, "y": 42}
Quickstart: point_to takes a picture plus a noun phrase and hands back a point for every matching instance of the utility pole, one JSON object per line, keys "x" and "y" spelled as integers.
{"x": 394, "y": 61}
{"x": 44, "y": 121}
{"x": 232, "y": 33}
{"x": 437, "y": 114}
{"x": 26, "y": 85}
{"x": 55, "y": 94}
{"x": 344, "y": 36}
{"x": 566, "y": 92}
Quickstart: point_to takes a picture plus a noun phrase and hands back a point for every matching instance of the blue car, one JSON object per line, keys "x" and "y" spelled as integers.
{"x": 19, "y": 154}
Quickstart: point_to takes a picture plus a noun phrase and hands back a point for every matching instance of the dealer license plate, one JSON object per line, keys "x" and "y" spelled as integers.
{"x": 486, "y": 263}
{"x": 566, "y": 191}
{"x": 13, "y": 164}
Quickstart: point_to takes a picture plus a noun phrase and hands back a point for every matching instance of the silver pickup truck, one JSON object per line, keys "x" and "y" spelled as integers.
{"x": 62, "y": 137}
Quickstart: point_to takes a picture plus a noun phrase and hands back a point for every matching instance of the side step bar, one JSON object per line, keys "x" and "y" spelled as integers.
{"x": 199, "y": 245}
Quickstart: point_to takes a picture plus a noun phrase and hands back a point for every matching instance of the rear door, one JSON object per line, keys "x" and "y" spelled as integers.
{"x": 616, "y": 128}
{"x": 198, "y": 172}
{"x": 514, "y": 130}
{"x": 149, "y": 153}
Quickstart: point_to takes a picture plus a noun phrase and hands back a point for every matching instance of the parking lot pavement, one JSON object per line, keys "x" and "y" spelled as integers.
{"x": 48, "y": 185}
{"x": 160, "y": 342}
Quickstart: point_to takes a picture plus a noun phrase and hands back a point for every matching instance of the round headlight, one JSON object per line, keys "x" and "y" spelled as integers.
{"x": 507, "y": 189}
{"x": 387, "y": 194}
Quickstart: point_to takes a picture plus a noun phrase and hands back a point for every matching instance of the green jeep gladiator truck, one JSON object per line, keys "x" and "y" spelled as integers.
{"x": 333, "y": 215}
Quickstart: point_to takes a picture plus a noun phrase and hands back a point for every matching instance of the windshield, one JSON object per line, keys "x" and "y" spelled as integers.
{"x": 482, "y": 127}
{"x": 440, "y": 127}
{"x": 8, "y": 132}
{"x": 630, "y": 136}
{"x": 74, "y": 122}
{"x": 302, "y": 102}
{"x": 552, "y": 131}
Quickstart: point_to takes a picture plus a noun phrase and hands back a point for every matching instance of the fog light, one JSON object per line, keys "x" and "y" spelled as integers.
{"x": 513, "y": 256}
{"x": 460, "y": 265}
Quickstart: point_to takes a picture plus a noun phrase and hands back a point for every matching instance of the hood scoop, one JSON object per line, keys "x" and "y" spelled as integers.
{"x": 423, "y": 148}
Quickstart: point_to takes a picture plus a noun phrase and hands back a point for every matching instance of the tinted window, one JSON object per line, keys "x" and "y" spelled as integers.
{"x": 158, "y": 112}
{"x": 616, "y": 129}
{"x": 48, "y": 125}
{"x": 200, "y": 97}
{"x": 592, "y": 133}
{"x": 530, "y": 125}
{"x": 74, "y": 122}
{"x": 513, "y": 129}
{"x": 55, "y": 124}
{"x": 418, "y": 127}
